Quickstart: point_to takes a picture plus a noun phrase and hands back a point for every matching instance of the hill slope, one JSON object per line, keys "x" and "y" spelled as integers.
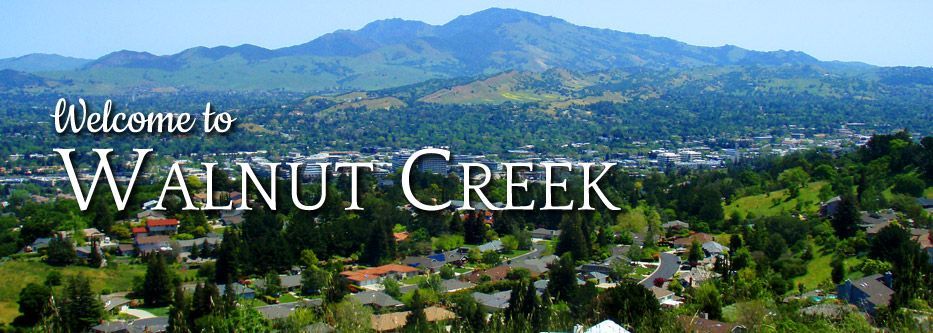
{"x": 396, "y": 52}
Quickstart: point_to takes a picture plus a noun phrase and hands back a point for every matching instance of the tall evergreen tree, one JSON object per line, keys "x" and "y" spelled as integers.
{"x": 563, "y": 282}
{"x": 571, "y": 237}
{"x": 178, "y": 314}
{"x": 847, "y": 217}
{"x": 157, "y": 286}
{"x": 81, "y": 307}
{"x": 417, "y": 320}
{"x": 33, "y": 304}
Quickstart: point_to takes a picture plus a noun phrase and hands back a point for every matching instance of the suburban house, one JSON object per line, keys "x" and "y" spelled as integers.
{"x": 282, "y": 311}
{"x": 162, "y": 226}
{"x": 868, "y": 293}
{"x": 676, "y": 225}
{"x": 493, "y": 302}
{"x": 395, "y": 321}
{"x": 685, "y": 242}
{"x": 454, "y": 285}
{"x": 714, "y": 249}
{"x": 377, "y": 299}
{"x": 497, "y": 273}
{"x": 185, "y": 245}
{"x": 241, "y": 291}
{"x": 287, "y": 282}
{"x": 434, "y": 262}
{"x": 375, "y": 275}
{"x": 150, "y": 244}
{"x": 147, "y": 325}
{"x": 542, "y": 233}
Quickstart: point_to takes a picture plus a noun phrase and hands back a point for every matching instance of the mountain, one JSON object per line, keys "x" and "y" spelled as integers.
{"x": 396, "y": 52}
{"x": 10, "y": 79}
{"x": 40, "y": 62}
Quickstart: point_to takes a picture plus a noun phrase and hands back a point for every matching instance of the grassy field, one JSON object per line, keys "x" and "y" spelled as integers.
{"x": 820, "y": 269}
{"x": 17, "y": 274}
{"x": 774, "y": 203}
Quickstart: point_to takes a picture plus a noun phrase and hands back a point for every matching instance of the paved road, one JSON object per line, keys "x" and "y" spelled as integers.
{"x": 665, "y": 270}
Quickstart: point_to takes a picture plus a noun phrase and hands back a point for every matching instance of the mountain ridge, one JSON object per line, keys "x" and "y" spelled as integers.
{"x": 395, "y": 52}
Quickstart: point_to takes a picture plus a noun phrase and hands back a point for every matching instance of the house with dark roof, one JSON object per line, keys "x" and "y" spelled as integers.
{"x": 868, "y": 293}
{"x": 241, "y": 291}
{"x": 542, "y": 233}
{"x": 376, "y": 299}
{"x": 870, "y": 219}
{"x": 454, "y": 285}
{"x": 283, "y": 310}
{"x": 111, "y": 327}
{"x": 493, "y": 302}
{"x": 149, "y": 325}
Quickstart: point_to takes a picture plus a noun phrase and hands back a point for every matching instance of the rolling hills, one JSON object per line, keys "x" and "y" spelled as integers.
{"x": 395, "y": 52}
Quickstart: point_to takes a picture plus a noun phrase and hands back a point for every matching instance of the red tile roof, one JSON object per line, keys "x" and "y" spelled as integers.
{"x": 140, "y": 230}
{"x": 162, "y": 223}
{"x": 376, "y": 272}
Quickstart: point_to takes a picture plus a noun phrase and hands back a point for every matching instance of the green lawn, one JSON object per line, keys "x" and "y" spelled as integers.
{"x": 776, "y": 202}
{"x": 158, "y": 312}
{"x": 18, "y": 273}
{"x": 287, "y": 298}
{"x": 820, "y": 269}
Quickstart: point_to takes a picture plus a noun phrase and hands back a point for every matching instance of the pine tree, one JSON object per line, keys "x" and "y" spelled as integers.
{"x": 563, "y": 282}
{"x": 178, "y": 314}
{"x": 845, "y": 222}
{"x": 81, "y": 308}
{"x": 572, "y": 239}
{"x": 96, "y": 260}
{"x": 417, "y": 320}
{"x": 474, "y": 230}
{"x": 157, "y": 284}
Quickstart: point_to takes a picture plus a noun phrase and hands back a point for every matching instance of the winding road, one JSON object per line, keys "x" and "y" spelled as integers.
{"x": 666, "y": 269}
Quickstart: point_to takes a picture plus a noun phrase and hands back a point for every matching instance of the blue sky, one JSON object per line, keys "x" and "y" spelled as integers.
{"x": 876, "y": 32}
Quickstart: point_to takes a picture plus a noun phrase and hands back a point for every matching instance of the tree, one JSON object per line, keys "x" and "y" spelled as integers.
{"x": 839, "y": 269}
{"x": 308, "y": 258}
{"x": 61, "y": 252}
{"x": 178, "y": 314}
{"x": 447, "y": 272}
{"x": 908, "y": 184}
{"x": 696, "y": 253}
{"x": 272, "y": 284}
{"x": 630, "y": 303}
{"x": 157, "y": 286}
{"x": 563, "y": 282}
{"x": 417, "y": 320}
{"x": 97, "y": 259}
{"x": 391, "y": 287}
{"x": 710, "y": 299}
{"x": 314, "y": 279}
{"x": 377, "y": 249}
{"x": 847, "y": 217}
{"x": 572, "y": 239}
{"x": 794, "y": 179}
{"x": 34, "y": 302}
{"x": 80, "y": 308}
{"x": 474, "y": 229}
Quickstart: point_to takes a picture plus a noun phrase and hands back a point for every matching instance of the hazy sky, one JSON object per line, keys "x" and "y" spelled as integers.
{"x": 877, "y": 32}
